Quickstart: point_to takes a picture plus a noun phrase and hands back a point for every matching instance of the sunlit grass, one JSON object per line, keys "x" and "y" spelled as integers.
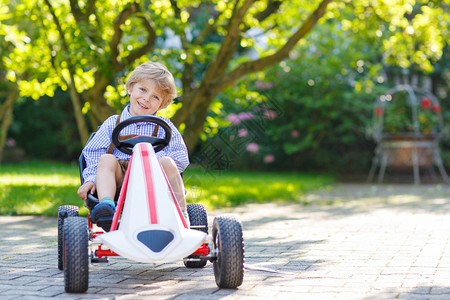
{"x": 38, "y": 188}
{"x": 41, "y": 187}
{"x": 227, "y": 189}
{"x": 43, "y": 180}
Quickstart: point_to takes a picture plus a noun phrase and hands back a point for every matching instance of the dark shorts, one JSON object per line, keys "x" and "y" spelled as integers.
{"x": 123, "y": 165}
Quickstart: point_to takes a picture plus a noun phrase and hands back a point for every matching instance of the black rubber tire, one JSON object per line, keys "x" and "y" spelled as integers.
{"x": 197, "y": 217}
{"x": 63, "y": 212}
{"x": 229, "y": 243}
{"x": 76, "y": 256}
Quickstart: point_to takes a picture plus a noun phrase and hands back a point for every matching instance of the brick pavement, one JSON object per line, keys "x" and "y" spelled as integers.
{"x": 351, "y": 242}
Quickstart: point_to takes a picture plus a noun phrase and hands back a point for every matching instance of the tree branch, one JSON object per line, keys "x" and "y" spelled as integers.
{"x": 76, "y": 11}
{"x": 208, "y": 29}
{"x": 177, "y": 11}
{"x": 259, "y": 64}
{"x": 60, "y": 32}
{"x": 118, "y": 33}
{"x": 78, "y": 14}
{"x": 81, "y": 17}
{"x": 227, "y": 48}
{"x": 74, "y": 95}
{"x": 151, "y": 37}
{"x": 51, "y": 48}
{"x": 90, "y": 9}
{"x": 187, "y": 77}
{"x": 272, "y": 7}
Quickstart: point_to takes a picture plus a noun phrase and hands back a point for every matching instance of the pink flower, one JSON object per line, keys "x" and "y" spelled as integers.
{"x": 270, "y": 114}
{"x": 233, "y": 119}
{"x": 263, "y": 85}
{"x": 10, "y": 142}
{"x": 295, "y": 133}
{"x": 245, "y": 116}
{"x": 242, "y": 132}
{"x": 237, "y": 119}
{"x": 269, "y": 158}
{"x": 252, "y": 147}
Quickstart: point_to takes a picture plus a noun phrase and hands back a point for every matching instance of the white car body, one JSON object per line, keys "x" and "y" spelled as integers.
{"x": 152, "y": 228}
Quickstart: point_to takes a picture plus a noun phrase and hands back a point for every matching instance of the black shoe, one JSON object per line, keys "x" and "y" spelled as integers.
{"x": 105, "y": 223}
{"x": 102, "y": 210}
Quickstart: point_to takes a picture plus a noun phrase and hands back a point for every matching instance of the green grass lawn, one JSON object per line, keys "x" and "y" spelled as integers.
{"x": 40, "y": 187}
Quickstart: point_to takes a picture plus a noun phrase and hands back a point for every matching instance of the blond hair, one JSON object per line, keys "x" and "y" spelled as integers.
{"x": 160, "y": 75}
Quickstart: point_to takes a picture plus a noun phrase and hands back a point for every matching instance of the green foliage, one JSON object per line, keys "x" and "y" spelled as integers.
{"x": 88, "y": 35}
{"x": 398, "y": 118}
{"x": 413, "y": 33}
{"x": 89, "y": 47}
{"x": 310, "y": 112}
{"x": 40, "y": 187}
{"x": 324, "y": 91}
{"x": 45, "y": 128}
{"x": 324, "y": 96}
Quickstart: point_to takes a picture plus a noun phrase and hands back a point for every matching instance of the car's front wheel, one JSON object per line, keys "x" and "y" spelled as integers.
{"x": 76, "y": 255}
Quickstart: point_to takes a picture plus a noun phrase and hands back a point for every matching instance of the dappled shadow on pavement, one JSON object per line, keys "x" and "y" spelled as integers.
{"x": 345, "y": 199}
{"x": 364, "y": 241}
{"x": 350, "y": 242}
{"x": 27, "y": 235}
{"x": 420, "y": 292}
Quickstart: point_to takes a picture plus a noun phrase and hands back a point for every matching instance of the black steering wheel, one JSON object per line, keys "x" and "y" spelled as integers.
{"x": 126, "y": 146}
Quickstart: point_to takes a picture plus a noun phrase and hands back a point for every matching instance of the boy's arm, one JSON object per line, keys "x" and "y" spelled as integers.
{"x": 91, "y": 156}
{"x": 176, "y": 149}
{"x": 95, "y": 148}
{"x": 87, "y": 187}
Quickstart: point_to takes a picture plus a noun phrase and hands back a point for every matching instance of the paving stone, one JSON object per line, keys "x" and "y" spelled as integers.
{"x": 376, "y": 242}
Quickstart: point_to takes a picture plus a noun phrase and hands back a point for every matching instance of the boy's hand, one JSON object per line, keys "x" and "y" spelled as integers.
{"x": 87, "y": 187}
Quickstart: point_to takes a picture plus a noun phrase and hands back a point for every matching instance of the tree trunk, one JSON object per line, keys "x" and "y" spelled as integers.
{"x": 100, "y": 110}
{"x": 76, "y": 104}
{"x": 6, "y": 116}
{"x": 195, "y": 123}
{"x": 193, "y": 113}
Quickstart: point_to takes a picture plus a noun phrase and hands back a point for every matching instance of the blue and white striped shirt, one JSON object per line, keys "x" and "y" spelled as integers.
{"x": 101, "y": 141}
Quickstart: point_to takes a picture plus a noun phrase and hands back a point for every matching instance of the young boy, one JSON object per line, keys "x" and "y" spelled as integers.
{"x": 150, "y": 87}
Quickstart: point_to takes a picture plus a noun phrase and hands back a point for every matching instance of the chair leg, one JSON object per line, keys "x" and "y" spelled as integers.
{"x": 440, "y": 165}
{"x": 375, "y": 162}
{"x": 415, "y": 161}
{"x": 384, "y": 160}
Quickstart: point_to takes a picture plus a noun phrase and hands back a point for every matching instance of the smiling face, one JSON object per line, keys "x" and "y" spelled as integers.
{"x": 145, "y": 98}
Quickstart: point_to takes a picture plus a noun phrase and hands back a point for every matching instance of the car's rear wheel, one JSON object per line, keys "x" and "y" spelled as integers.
{"x": 198, "y": 220}
{"x": 198, "y": 217}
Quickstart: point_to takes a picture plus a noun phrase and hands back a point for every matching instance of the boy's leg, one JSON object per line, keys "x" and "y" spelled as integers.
{"x": 109, "y": 176}
{"x": 175, "y": 180}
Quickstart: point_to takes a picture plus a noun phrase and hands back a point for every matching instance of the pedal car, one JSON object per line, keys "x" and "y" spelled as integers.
{"x": 148, "y": 225}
